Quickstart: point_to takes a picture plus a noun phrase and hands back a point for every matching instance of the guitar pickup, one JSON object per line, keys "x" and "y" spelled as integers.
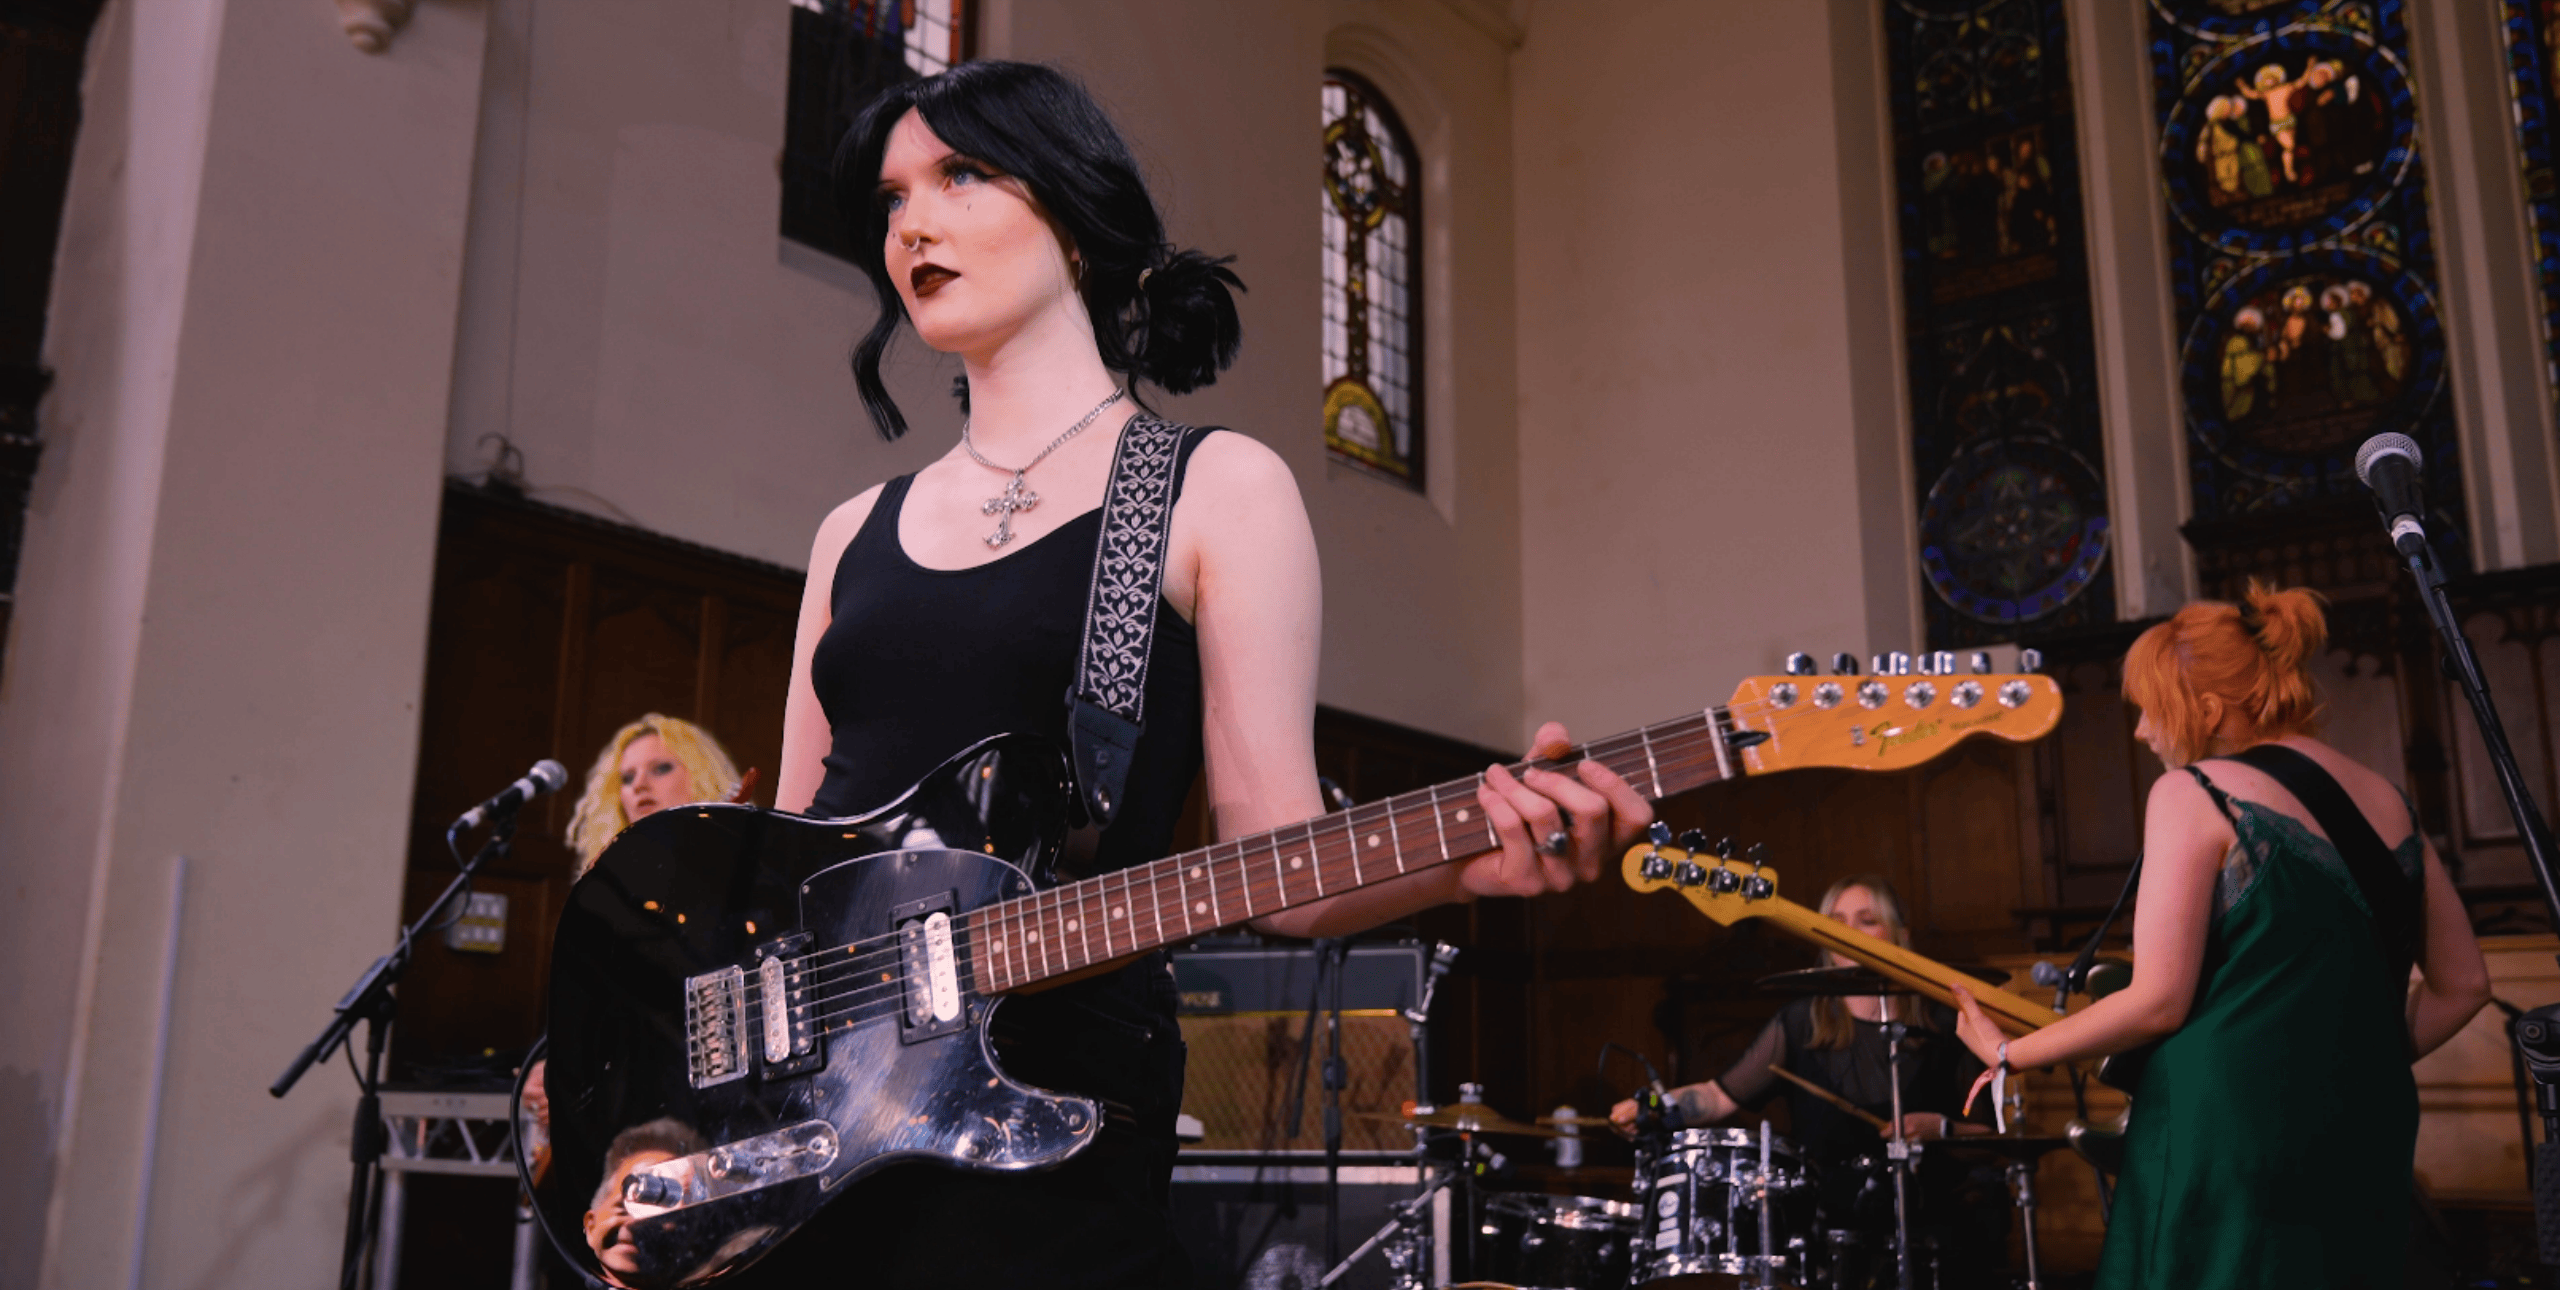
{"x": 738, "y": 1020}
{"x": 786, "y": 1030}
{"x": 928, "y": 966}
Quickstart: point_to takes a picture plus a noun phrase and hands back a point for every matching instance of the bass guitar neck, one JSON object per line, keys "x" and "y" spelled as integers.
{"x": 1730, "y": 890}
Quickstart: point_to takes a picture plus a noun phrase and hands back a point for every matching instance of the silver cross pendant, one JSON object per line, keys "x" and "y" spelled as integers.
{"x": 1016, "y": 499}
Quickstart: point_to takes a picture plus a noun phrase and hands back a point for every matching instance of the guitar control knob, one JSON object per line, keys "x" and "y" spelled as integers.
{"x": 1844, "y": 665}
{"x": 1981, "y": 661}
{"x": 2030, "y": 660}
{"x": 1658, "y": 833}
{"x": 1690, "y": 873}
{"x": 1799, "y": 664}
{"x": 1656, "y": 867}
{"x": 1724, "y": 882}
{"x": 1693, "y": 840}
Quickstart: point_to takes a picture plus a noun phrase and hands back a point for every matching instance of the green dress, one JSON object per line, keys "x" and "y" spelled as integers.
{"x": 2274, "y": 1134}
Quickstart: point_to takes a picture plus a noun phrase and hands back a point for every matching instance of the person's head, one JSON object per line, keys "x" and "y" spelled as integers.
{"x": 2320, "y": 73}
{"x": 2297, "y": 300}
{"x": 1867, "y": 903}
{"x": 2249, "y": 320}
{"x": 653, "y": 763}
{"x": 2219, "y": 109}
{"x": 1024, "y": 208}
{"x": 2271, "y": 76}
{"x": 2359, "y": 292}
{"x": 608, "y": 1218}
{"x": 2216, "y": 678}
{"x": 2333, "y": 297}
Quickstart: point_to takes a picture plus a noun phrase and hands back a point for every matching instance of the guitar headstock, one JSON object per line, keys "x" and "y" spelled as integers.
{"x": 1890, "y": 720}
{"x": 1723, "y": 887}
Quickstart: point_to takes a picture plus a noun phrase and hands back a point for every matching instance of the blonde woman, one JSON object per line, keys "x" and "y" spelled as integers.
{"x": 1840, "y": 1045}
{"x": 653, "y": 763}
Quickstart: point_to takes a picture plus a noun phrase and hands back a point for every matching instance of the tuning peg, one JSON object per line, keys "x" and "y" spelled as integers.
{"x": 1656, "y": 866}
{"x": 1690, "y": 873}
{"x": 1758, "y": 855}
{"x": 1880, "y": 664}
{"x": 2030, "y": 660}
{"x": 1799, "y": 664}
{"x": 1724, "y": 848}
{"x": 1844, "y": 664}
{"x": 1900, "y": 663}
{"x": 1981, "y": 661}
{"x": 1693, "y": 841}
{"x": 1942, "y": 663}
{"x": 1658, "y": 833}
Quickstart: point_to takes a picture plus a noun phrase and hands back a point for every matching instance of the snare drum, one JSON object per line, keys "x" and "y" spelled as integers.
{"x": 1557, "y": 1242}
{"x": 1702, "y": 1213}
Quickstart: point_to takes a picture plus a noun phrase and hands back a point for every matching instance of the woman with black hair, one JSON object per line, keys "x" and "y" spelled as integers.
{"x": 998, "y": 213}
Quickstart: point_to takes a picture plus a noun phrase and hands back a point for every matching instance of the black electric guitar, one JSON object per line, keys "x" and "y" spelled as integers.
{"x": 750, "y": 1010}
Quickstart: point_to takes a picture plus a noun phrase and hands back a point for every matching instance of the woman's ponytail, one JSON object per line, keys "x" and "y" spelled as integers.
{"x": 2289, "y": 629}
{"x": 1183, "y": 328}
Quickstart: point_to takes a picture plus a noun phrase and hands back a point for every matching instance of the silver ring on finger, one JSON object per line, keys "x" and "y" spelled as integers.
{"x": 1557, "y": 843}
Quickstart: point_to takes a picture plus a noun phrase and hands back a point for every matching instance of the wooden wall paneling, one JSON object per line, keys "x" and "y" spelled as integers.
{"x": 550, "y": 630}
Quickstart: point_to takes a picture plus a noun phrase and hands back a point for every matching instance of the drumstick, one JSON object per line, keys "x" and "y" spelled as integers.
{"x": 1828, "y": 1096}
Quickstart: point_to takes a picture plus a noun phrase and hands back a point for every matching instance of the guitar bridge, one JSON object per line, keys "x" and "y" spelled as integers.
{"x": 737, "y": 1019}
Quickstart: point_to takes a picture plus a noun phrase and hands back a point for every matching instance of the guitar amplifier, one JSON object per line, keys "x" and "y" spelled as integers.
{"x": 1260, "y": 1225}
{"x": 1244, "y": 1013}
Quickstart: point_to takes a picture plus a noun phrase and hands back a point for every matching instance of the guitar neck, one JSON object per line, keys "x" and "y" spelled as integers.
{"x": 1918, "y": 971}
{"x": 1076, "y": 926}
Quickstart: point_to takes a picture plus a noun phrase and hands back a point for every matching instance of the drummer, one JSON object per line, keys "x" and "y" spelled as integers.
{"x": 1839, "y": 1044}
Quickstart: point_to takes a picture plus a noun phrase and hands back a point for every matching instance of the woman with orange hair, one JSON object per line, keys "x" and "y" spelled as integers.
{"x": 2286, "y": 894}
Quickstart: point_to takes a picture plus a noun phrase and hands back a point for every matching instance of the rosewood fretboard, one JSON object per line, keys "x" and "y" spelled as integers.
{"x": 1077, "y": 925}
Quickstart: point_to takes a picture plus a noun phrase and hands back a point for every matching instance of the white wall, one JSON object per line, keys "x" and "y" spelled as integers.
{"x": 219, "y": 645}
{"x": 635, "y": 325}
{"x": 1711, "y": 460}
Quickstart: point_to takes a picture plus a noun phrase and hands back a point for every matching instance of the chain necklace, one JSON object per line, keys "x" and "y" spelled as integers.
{"x": 1017, "y": 498}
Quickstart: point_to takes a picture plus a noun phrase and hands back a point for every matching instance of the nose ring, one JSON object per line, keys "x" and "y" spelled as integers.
{"x": 916, "y": 245}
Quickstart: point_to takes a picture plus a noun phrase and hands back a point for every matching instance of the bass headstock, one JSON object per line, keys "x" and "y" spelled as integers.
{"x": 1890, "y": 719}
{"x": 1723, "y": 887}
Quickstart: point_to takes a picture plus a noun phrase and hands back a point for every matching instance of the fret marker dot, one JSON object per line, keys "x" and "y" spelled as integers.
{"x": 1071, "y": 924}
{"x": 1297, "y": 862}
{"x": 1032, "y": 935}
{"x": 999, "y": 943}
{"x": 1373, "y": 839}
{"x": 1200, "y": 907}
{"x": 1462, "y": 815}
{"x": 1195, "y": 871}
{"x": 1115, "y": 911}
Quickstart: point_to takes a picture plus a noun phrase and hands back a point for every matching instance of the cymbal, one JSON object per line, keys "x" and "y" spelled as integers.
{"x": 1843, "y": 981}
{"x": 1465, "y": 1117}
{"x": 2014, "y": 1148}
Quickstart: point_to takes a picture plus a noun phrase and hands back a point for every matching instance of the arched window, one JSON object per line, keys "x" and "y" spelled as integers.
{"x": 1372, "y": 283}
{"x": 843, "y": 53}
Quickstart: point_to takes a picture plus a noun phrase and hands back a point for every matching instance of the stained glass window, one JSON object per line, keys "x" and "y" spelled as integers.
{"x": 843, "y": 53}
{"x": 1372, "y": 283}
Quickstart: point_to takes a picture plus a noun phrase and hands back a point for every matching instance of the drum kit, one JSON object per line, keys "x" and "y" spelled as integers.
{"x": 1703, "y": 1207}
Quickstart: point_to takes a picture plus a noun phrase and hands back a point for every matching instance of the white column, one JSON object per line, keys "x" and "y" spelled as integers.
{"x": 222, "y": 632}
{"x": 2486, "y": 283}
{"x": 2130, "y": 303}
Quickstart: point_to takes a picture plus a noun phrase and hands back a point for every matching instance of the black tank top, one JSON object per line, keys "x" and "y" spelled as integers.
{"x": 920, "y": 663}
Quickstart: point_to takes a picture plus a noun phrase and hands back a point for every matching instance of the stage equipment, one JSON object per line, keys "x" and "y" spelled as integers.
{"x": 809, "y": 999}
{"x": 1243, "y": 1013}
{"x": 2381, "y": 463}
{"x": 1253, "y": 1224}
{"x": 1725, "y": 1202}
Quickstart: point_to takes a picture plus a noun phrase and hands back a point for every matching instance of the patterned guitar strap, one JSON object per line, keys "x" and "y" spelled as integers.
{"x": 1106, "y": 710}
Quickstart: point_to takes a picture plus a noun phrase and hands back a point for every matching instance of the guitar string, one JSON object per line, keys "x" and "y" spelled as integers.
{"x": 864, "y": 965}
{"x": 864, "y": 959}
{"x": 869, "y": 954}
{"x": 1672, "y": 747}
{"x": 1375, "y": 812}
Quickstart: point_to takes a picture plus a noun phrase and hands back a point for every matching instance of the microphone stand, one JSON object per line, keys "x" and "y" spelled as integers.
{"x": 371, "y": 1002}
{"x": 2537, "y": 1031}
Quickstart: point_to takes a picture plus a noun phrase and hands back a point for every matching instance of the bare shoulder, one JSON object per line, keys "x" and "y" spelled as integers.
{"x": 2179, "y": 790}
{"x": 1233, "y": 466}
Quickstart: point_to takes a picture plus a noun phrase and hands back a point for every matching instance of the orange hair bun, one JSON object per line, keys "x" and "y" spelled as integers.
{"x": 2254, "y": 660}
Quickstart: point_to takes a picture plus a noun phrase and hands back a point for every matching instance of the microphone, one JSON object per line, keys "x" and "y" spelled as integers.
{"x": 2389, "y": 464}
{"x": 547, "y": 776}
